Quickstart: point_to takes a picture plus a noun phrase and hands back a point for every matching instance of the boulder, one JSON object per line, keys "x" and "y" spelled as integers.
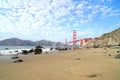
{"x": 25, "y": 52}
{"x": 18, "y": 60}
{"x": 31, "y": 50}
{"x": 38, "y": 49}
{"x": 117, "y": 56}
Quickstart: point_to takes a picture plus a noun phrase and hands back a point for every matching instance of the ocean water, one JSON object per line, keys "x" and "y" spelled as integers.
{"x": 15, "y": 47}
{"x": 7, "y": 51}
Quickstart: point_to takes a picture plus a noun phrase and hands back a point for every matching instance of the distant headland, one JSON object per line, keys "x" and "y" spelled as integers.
{"x": 20, "y": 42}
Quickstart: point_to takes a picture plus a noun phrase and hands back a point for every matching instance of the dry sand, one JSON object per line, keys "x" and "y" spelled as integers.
{"x": 80, "y": 64}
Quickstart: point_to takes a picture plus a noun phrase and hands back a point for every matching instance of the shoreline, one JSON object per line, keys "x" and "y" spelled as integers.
{"x": 19, "y": 51}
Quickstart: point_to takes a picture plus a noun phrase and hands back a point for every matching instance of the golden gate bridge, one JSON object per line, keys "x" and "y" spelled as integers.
{"x": 82, "y": 42}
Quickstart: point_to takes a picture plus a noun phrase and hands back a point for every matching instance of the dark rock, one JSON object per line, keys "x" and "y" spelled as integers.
{"x": 6, "y": 48}
{"x": 15, "y": 57}
{"x": 93, "y": 75}
{"x": 38, "y": 49}
{"x": 118, "y": 51}
{"x": 117, "y": 56}
{"x": 61, "y": 49}
{"x": 31, "y": 50}
{"x": 18, "y": 60}
{"x": 78, "y": 59}
{"x": 16, "y": 51}
{"x": 109, "y": 54}
{"x": 25, "y": 52}
{"x": 51, "y": 48}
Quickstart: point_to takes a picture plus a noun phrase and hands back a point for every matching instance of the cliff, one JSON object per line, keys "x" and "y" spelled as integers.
{"x": 108, "y": 39}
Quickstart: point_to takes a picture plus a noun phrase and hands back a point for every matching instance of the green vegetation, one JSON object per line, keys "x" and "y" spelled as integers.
{"x": 106, "y": 34}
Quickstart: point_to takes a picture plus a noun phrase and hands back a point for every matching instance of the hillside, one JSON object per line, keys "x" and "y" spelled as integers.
{"x": 16, "y": 42}
{"x": 20, "y": 42}
{"x": 108, "y": 39}
{"x": 48, "y": 43}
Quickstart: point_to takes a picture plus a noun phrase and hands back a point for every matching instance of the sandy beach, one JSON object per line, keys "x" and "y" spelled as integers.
{"x": 79, "y": 64}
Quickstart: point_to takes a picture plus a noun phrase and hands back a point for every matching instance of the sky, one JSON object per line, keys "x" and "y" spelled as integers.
{"x": 55, "y": 20}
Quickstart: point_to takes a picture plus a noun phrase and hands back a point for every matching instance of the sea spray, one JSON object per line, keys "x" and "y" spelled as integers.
{"x": 19, "y": 51}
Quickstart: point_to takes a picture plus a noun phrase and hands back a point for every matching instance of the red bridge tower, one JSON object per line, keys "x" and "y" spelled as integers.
{"x": 74, "y": 38}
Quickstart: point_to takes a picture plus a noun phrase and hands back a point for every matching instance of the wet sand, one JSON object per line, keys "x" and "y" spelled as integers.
{"x": 80, "y": 64}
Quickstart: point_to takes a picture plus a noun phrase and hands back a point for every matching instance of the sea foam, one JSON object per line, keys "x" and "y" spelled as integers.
{"x": 19, "y": 51}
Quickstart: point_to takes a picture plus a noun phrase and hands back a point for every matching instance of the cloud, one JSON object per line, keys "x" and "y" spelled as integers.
{"x": 45, "y": 18}
{"x": 3, "y": 38}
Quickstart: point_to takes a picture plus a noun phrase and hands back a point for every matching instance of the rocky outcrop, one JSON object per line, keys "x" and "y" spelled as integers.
{"x": 106, "y": 40}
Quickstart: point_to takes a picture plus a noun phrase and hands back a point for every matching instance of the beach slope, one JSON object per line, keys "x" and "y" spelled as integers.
{"x": 79, "y": 64}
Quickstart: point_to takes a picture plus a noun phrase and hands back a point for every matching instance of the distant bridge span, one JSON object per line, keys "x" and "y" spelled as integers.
{"x": 81, "y": 41}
